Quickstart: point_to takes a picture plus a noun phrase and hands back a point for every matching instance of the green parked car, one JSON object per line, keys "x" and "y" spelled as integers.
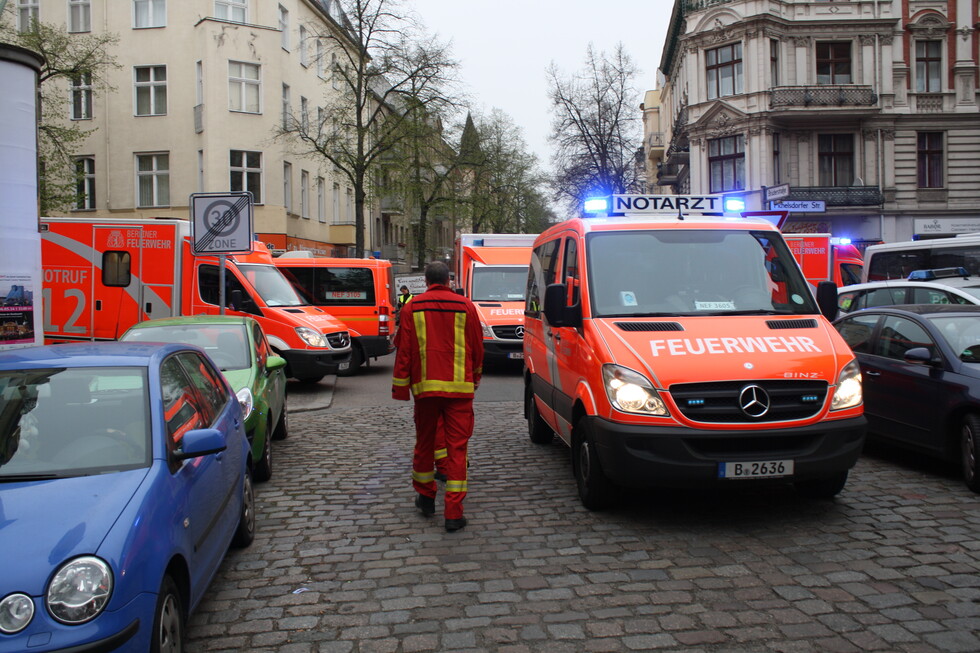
{"x": 239, "y": 348}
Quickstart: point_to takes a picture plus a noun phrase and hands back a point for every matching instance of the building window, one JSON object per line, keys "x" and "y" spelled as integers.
{"x": 284, "y": 27}
{"x": 726, "y": 163}
{"x": 151, "y": 90}
{"x": 200, "y": 171}
{"x": 152, "y": 180}
{"x": 336, "y": 204}
{"x": 28, "y": 14}
{"x": 246, "y": 173}
{"x": 777, "y": 176}
{"x": 350, "y": 206}
{"x": 244, "y": 87}
{"x": 304, "y": 114}
{"x": 85, "y": 184}
{"x": 287, "y": 108}
{"x": 79, "y": 15}
{"x": 287, "y": 187}
{"x": 233, "y": 10}
{"x": 319, "y": 59}
{"x": 199, "y": 81}
{"x": 304, "y": 51}
{"x": 149, "y": 13}
{"x": 836, "y": 159}
{"x": 81, "y": 97}
{"x": 930, "y": 159}
{"x": 834, "y": 62}
{"x": 321, "y": 200}
{"x": 774, "y": 61}
{"x": 334, "y": 72}
{"x": 928, "y": 66}
{"x": 304, "y": 194}
{"x": 724, "y": 68}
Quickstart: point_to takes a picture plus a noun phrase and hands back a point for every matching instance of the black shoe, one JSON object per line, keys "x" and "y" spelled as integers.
{"x": 426, "y": 505}
{"x": 440, "y": 477}
{"x": 453, "y": 525}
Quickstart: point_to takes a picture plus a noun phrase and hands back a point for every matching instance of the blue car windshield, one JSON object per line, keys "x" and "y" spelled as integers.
{"x": 57, "y": 422}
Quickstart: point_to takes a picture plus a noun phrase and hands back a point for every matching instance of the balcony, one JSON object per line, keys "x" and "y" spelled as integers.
{"x": 667, "y": 174}
{"x": 655, "y": 140}
{"x": 392, "y": 204}
{"x": 848, "y": 95}
{"x": 837, "y": 195}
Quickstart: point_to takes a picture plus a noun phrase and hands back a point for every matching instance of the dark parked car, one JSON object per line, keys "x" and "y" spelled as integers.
{"x": 921, "y": 369}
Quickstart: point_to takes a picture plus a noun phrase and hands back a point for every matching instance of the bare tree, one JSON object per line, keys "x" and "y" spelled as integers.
{"x": 504, "y": 180}
{"x": 595, "y": 127}
{"x": 382, "y": 69}
{"x": 82, "y": 59}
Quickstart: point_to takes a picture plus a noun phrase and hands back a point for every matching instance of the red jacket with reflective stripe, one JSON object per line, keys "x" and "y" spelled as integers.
{"x": 440, "y": 346}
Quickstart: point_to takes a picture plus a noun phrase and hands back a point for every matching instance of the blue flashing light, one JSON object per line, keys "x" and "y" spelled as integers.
{"x": 734, "y": 204}
{"x": 596, "y": 204}
{"x": 844, "y": 241}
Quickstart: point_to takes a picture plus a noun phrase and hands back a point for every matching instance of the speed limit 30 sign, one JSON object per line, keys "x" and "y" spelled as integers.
{"x": 222, "y": 223}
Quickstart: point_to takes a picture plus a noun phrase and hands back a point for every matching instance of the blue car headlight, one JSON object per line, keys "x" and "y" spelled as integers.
{"x": 16, "y": 611}
{"x": 80, "y": 590}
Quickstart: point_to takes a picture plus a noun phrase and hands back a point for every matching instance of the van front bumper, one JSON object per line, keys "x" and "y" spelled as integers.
{"x": 315, "y": 363}
{"x": 375, "y": 346}
{"x": 645, "y": 456}
{"x": 499, "y": 350}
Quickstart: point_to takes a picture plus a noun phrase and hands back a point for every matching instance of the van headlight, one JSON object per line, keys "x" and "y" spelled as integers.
{"x": 487, "y": 331}
{"x": 80, "y": 590}
{"x": 247, "y": 402}
{"x": 16, "y": 611}
{"x": 848, "y": 393}
{"x": 631, "y": 392}
{"x": 312, "y": 337}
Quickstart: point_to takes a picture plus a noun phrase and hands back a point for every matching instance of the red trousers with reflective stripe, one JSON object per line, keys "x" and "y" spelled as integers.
{"x": 454, "y": 418}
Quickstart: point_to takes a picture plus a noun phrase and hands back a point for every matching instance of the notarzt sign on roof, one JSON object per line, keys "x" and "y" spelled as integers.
{"x": 667, "y": 204}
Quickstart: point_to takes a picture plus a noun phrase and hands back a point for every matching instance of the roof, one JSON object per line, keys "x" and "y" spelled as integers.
{"x": 89, "y": 354}
{"x": 648, "y": 222}
{"x": 923, "y": 309}
{"x": 500, "y": 255}
{"x": 945, "y": 282}
{"x": 194, "y": 319}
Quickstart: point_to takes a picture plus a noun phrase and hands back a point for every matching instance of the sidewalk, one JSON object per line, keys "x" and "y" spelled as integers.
{"x": 304, "y": 397}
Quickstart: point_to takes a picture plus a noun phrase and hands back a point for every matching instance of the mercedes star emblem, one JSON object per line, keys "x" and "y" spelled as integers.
{"x": 754, "y": 401}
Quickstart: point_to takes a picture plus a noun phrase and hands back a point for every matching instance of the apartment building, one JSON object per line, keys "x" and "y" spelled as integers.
{"x": 194, "y": 108}
{"x": 866, "y": 109}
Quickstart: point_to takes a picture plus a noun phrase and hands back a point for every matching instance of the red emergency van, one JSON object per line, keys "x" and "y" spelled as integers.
{"x": 102, "y": 276}
{"x": 357, "y": 291}
{"x": 675, "y": 349}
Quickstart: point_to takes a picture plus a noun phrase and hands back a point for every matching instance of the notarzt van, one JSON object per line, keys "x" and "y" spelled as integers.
{"x": 682, "y": 351}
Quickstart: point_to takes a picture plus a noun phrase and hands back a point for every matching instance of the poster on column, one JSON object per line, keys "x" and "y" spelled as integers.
{"x": 16, "y": 310}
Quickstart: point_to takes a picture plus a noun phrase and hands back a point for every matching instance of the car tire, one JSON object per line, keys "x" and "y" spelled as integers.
{"x": 826, "y": 487}
{"x": 310, "y": 379}
{"x": 245, "y": 532}
{"x": 168, "y": 619}
{"x": 537, "y": 429}
{"x": 595, "y": 490}
{"x": 282, "y": 426}
{"x": 970, "y": 451}
{"x": 356, "y": 360}
{"x": 263, "y": 469}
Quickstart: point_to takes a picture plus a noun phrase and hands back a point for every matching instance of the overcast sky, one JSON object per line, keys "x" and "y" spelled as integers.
{"x": 505, "y": 46}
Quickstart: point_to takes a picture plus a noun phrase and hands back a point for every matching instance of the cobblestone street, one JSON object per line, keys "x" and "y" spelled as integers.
{"x": 343, "y": 562}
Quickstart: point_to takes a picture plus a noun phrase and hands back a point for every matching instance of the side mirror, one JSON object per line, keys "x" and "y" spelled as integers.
{"x": 920, "y": 356}
{"x": 555, "y": 309}
{"x": 235, "y": 301}
{"x": 827, "y": 299}
{"x": 274, "y": 362}
{"x": 201, "y": 442}
{"x": 460, "y": 291}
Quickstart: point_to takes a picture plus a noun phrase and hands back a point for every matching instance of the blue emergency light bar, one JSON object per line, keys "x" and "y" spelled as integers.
{"x": 938, "y": 273}
{"x": 595, "y": 204}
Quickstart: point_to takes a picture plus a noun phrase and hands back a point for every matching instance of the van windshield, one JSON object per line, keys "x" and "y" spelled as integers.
{"x": 694, "y": 272}
{"x": 271, "y": 285}
{"x": 498, "y": 283}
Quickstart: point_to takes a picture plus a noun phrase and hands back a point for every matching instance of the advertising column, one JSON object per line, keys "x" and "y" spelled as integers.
{"x": 20, "y": 242}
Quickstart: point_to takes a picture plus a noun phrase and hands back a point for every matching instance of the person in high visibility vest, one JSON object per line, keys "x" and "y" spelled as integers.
{"x": 402, "y": 299}
{"x": 440, "y": 362}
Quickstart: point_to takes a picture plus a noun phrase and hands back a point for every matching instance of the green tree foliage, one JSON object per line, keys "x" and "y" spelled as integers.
{"x": 67, "y": 57}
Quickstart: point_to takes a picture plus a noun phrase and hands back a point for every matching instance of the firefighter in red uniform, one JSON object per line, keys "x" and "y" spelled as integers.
{"x": 440, "y": 360}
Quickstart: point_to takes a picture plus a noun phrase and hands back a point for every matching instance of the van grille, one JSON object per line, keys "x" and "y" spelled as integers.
{"x": 507, "y": 332}
{"x": 338, "y": 340}
{"x": 791, "y": 324}
{"x": 720, "y": 401}
{"x": 649, "y": 326}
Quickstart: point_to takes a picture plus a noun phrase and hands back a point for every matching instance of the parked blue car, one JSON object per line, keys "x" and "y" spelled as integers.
{"x": 124, "y": 478}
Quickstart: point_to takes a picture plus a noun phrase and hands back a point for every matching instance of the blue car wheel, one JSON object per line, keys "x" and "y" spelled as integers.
{"x": 168, "y": 620}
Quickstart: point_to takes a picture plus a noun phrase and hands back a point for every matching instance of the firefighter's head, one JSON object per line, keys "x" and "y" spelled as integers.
{"x": 437, "y": 273}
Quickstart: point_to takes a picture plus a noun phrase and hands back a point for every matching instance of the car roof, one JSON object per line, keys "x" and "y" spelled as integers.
{"x": 945, "y": 283}
{"x": 94, "y": 354}
{"x": 920, "y": 309}
{"x": 194, "y": 320}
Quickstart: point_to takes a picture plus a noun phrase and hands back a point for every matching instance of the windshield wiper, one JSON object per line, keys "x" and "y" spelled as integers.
{"x": 20, "y": 478}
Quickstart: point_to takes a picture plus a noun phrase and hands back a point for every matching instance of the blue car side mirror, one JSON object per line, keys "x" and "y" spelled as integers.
{"x": 201, "y": 442}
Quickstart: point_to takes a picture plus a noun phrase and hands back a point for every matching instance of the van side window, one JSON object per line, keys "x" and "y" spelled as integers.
{"x": 570, "y": 274}
{"x": 335, "y": 286}
{"x": 544, "y": 260}
{"x": 207, "y": 282}
{"x": 116, "y": 269}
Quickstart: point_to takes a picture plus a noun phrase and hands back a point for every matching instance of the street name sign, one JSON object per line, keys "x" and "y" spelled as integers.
{"x": 222, "y": 223}
{"x": 777, "y": 192}
{"x": 801, "y": 206}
